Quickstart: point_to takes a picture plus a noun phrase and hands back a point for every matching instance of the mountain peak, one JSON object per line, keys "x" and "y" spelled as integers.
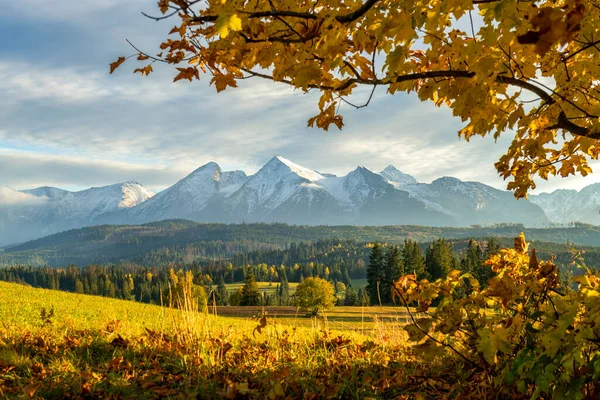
{"x": 397, "y": 177}
{"x": 278, "y": 163}
{"x": 209, "y": 166}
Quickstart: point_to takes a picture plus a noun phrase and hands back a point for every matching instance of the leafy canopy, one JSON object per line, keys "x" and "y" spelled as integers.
{"x": 315, "y": 294}
{"x": 529, "y": 67}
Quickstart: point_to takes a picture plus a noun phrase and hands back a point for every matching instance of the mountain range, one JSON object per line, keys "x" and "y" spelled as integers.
{"x": 282, "y": 191}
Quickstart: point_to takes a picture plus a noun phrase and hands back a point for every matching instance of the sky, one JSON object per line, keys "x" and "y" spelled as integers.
{"x": 65, "y": 122}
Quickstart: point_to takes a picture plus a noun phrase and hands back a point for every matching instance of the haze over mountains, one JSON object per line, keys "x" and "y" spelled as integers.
{"x": 282, "y": 191}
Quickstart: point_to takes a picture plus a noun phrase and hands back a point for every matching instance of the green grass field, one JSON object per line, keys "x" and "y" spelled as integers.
{"x": 94, "y": 347}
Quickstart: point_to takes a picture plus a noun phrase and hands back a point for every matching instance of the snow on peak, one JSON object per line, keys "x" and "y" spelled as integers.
{"x": 354, "y": 189}
{"x": 397, "y": 177}
{"x": 277, "y": 162}
{"x": 134, "y": 194}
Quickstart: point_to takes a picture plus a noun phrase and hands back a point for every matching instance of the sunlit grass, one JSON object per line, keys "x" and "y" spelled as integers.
{"x": 101, "y": 347}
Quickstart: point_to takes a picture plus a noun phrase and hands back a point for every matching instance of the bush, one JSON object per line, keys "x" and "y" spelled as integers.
{"x": 524, "y": 332}
{"x": 315, "y": 294}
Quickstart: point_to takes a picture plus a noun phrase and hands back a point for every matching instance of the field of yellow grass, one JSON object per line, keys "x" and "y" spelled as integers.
{"x": 56, "y": 345}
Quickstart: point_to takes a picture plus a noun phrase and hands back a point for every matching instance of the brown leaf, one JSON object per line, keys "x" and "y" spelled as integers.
{"x": 120, "y": 342}
{"x": 116, "y": 64}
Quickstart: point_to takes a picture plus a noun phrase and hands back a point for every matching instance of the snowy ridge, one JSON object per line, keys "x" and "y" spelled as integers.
{"x": 564, "y": 206}
{"x": 281, "y": 191}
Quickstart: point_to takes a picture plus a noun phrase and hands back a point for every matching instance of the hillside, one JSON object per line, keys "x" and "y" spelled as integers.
{"x": 186, "y": 241}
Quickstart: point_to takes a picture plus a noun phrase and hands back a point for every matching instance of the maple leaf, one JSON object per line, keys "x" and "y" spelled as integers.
{"x": 187, "y": 73}
{"x": 144, "y": 71}
{"x": 227, "y": 22}
{"x": 116, "y": 64}
{"x": 552, "y": 25}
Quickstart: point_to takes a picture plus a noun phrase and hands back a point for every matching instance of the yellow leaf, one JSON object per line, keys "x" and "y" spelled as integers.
{"x": 226, "y": 22}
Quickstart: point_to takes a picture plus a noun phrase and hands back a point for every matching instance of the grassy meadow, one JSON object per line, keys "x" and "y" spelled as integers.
{"x": 62, "y": 345}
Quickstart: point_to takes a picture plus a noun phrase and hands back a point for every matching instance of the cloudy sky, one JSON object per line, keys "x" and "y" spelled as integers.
{"x": 66, "y": 122}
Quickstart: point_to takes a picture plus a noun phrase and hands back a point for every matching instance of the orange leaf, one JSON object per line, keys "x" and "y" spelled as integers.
{"x": 116, "y": 64}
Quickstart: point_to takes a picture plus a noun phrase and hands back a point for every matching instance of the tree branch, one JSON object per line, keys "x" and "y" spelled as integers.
{"x": 563, "y": 122}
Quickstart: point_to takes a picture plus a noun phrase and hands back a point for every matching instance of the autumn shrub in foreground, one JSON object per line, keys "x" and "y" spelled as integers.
{"x": 524, "y": 334}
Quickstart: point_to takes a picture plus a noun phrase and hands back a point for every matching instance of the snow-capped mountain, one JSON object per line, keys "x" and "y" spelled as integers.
{"x": 397, "y": 177}
{"x": 186, "y": 199}
{"x": 48, "y": 210}
{"x": 472, "y": 203}
{"x": 564, "y": 206}
{"x": 281, "y": 191}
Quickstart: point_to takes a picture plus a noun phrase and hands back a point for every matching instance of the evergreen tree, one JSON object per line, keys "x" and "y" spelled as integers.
{"x": 284, "y": 290}
{"x": 374, "y": 273}
{"x": 79, "y": 286}
{"x": 363, "y": 297}
{"x": 473, "y": 258}
{"x": 392, "y": 270}
{"x": 250, "y": 293}
{"x": 440, "y": 259}
{"x": 222, "y": 293}
{"x": 351, "y": 298}
{"x": 413, "y": 260}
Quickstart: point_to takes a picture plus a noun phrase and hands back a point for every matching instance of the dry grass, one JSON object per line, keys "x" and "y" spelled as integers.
{"x": 93, "y": 347}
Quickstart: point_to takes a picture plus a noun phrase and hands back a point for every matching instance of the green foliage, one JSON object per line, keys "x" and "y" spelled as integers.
{"x": 522, "y": 333}
{"x": 375, "y": 273}
{"x": 250, "y": 294}
{"x": 412, "y": 258}
{"x": 173, "y": 242}
{"x": 315, "y": 295}
{"x": 183, "y": 294}
{"x": 439, "y": 259}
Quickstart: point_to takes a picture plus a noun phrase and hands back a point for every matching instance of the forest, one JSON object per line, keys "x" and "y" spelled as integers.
{"x": 337, "y": 261}
{"x": 185, "y": 242}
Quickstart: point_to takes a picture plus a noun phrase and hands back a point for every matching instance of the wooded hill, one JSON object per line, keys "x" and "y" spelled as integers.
{"x": 185, "y": 242}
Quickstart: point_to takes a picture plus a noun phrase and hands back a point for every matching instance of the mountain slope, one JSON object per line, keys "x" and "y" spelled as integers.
{"x": 472, "y": 203}
{"x": 564, "y": 206}
{"x": 397, "y": 177}
{"x": 57, "y": 209}
{"x": 186, "y": 199}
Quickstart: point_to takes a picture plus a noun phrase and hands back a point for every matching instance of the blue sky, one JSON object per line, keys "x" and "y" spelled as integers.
{"x": 66, "y": 122}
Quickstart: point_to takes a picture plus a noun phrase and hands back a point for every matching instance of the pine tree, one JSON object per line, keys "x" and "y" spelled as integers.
{"x": 79, "y": 286}
{"x": 440, "y": 259}
{"x": 473, "y": 258}
{"x": 284, "y": 290}
{"x": 412, "y": 259}
{"x": 392, "y": 270}
{"x": 222, "y": 293}
{"x": 375, "y": 273}
{"x": 363, "y": 297}
{"x": 351, "y": 298}
{"x": 250, "y": 294}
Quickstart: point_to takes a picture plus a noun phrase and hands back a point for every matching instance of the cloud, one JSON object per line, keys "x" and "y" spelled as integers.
{"x": 66, "y": 122}
{"x": 13, "y": 198}
{"x": 29, "y": 170}
{"x": 63, "y": 10}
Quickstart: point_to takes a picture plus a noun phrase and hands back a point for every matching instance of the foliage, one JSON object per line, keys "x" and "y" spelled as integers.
{"x": 412, "y": 258}
{"x": 250, "y": 294}
{"x": 183, "y": 293}
{"x": 439, "y": 259}
{"x": 374, "y": 273}
{"x": 315, "y": 294}
{"x": 427, "y": 47}
{"x": 216, "y": 245}
{"x": 523, "y": 333}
